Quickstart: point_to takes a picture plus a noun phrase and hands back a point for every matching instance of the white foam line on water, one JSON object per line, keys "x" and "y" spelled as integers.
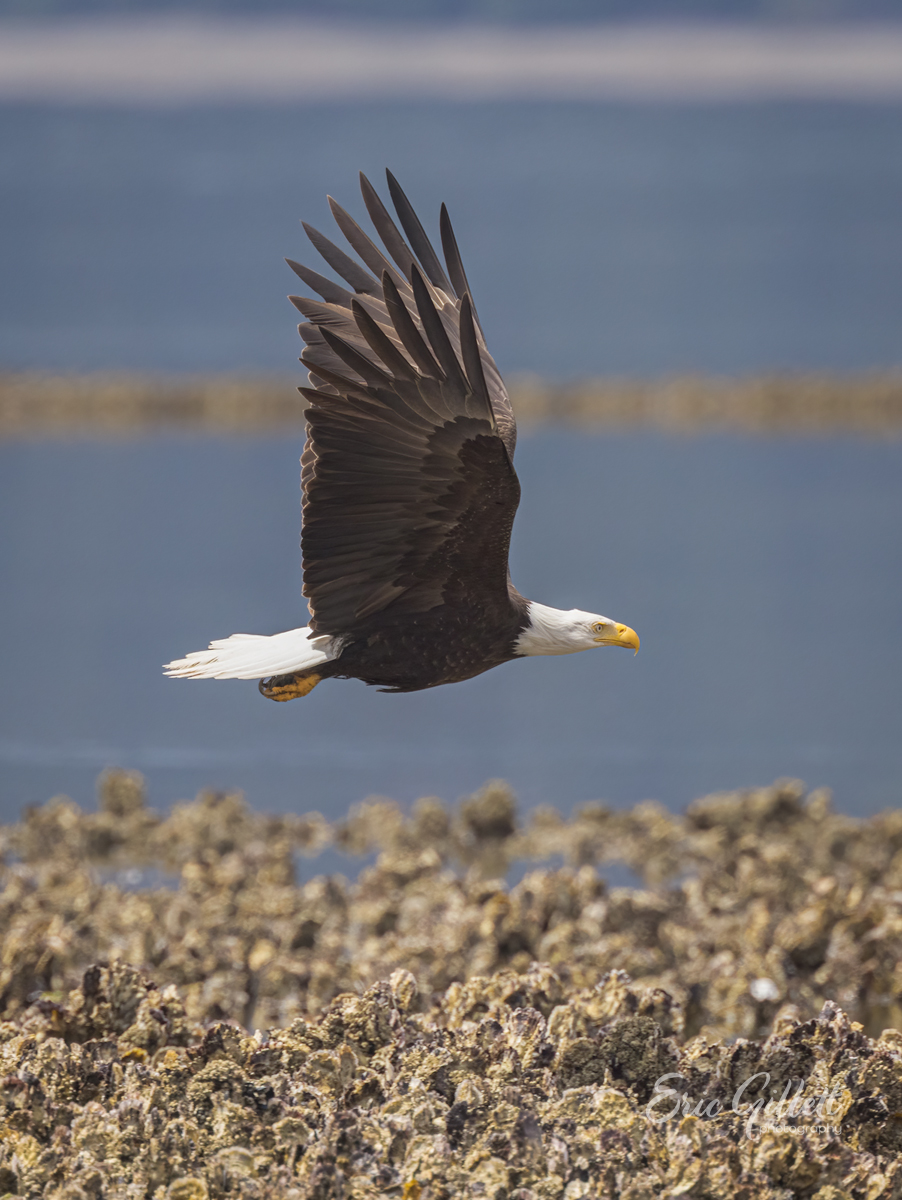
{"x": 174, "y": 60}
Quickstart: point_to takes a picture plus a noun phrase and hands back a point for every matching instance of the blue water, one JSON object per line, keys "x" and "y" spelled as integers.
{"x": 763, "y": 576}
{"x": 599, "y": 238}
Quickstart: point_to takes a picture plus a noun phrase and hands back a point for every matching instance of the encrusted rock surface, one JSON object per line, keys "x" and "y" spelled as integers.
{"x": 427, "y": 1031}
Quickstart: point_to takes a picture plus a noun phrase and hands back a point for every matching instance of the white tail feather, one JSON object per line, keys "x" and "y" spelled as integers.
{"x": 254, "y": 656}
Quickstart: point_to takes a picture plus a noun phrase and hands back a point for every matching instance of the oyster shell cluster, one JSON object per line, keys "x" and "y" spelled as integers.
{"x": 183, "y": 1017}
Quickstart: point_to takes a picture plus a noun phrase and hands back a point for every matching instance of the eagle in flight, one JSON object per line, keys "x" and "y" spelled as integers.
{"x": 409, "y": 488}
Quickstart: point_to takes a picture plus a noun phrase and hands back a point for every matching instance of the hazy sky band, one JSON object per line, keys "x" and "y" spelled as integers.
{"x": 177, "y": 61}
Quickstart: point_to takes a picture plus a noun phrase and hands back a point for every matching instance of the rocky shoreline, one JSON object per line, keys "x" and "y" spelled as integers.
{"x": 36, "y": 404}
{"x": 181, "y": 1017}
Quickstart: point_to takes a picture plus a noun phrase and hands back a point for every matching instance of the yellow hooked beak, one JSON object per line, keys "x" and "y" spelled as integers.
{"x": 622, "y": 636}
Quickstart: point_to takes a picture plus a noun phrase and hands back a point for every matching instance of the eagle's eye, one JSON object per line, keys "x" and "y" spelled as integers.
{"x": 598, "y": 627}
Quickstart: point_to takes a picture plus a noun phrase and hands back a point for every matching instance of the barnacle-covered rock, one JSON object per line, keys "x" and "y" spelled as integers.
{"x": 181, "y": 1019}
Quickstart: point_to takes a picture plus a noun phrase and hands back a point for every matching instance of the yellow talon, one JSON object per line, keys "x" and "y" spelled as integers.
{"x": 288, "y": 687}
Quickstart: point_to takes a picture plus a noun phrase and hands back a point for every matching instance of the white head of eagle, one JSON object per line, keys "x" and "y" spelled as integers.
{"x": 556, "y": 631}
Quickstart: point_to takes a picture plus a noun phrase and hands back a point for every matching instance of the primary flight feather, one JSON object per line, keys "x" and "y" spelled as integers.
{"x": 409, "y": 488}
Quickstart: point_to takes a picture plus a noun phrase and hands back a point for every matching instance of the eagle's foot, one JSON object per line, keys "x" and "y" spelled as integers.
{"x": 289, "y": 687}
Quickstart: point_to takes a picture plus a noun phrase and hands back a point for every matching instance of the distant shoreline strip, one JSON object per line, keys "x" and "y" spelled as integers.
{"x": 34, "y": 405}
{"x": 180, "y": 60}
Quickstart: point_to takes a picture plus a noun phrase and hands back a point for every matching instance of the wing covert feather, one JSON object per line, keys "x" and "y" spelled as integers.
{"x": 409, "y": 490}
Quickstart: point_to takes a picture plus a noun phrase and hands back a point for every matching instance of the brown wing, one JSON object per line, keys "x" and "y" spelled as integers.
{"x": 409, "y": 489}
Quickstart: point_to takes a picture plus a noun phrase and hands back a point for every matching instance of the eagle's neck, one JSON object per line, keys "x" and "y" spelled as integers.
{"x": 548, "y": 631}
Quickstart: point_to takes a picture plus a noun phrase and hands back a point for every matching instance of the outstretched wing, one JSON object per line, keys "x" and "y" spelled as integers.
{"x": 409, "y": 489}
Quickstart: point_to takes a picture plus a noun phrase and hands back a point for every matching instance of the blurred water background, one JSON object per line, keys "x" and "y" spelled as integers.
{"x": 603, "y": 236}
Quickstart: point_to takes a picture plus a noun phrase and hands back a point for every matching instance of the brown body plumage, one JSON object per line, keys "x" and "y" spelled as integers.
{"x": 407, "y": 473}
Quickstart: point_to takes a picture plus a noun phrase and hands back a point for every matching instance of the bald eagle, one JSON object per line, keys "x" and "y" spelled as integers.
{"x": 409, "y": 488}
